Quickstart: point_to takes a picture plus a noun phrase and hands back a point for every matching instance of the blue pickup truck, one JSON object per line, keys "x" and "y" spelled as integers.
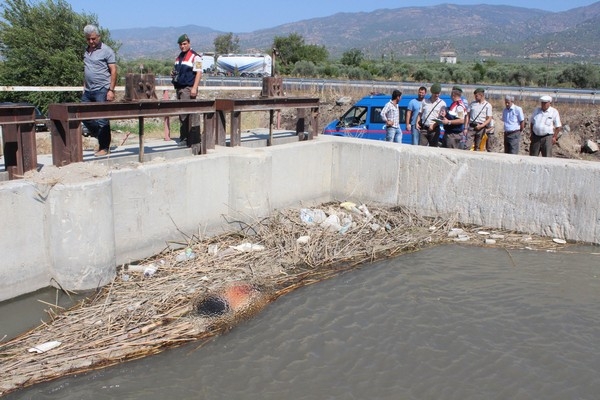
{"x": 363, "y": 119}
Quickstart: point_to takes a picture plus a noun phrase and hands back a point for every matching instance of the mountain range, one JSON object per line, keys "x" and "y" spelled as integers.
{"x": 471, "y": 32}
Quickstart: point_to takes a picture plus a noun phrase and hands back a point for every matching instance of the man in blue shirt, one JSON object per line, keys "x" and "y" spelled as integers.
{"x": 412, "y": 113}
{"x": 514, "y": 123}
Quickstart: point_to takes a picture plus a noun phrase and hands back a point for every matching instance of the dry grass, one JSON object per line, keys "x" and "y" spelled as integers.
{"x": 138, "y": 315}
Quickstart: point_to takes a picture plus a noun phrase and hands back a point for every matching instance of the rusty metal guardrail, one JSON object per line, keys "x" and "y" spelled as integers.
{"x": 18, "y": 123}
{"x": 65, "y": 120}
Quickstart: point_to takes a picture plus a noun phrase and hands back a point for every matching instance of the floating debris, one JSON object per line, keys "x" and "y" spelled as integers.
{"x": 44, "y": 347}
{"x": 136, "y": 316}
{"x": 248, "y": 247}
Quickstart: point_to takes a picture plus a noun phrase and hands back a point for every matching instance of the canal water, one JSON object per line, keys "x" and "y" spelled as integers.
{"x": 450, "y": 322}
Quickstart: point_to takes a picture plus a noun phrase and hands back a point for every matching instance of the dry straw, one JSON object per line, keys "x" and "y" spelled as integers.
{"x": 151, "y": 306}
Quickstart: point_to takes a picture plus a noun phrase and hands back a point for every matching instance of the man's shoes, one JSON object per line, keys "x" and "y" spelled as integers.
{"x": 101, "y": 153}
{"x": 182, "y": 142}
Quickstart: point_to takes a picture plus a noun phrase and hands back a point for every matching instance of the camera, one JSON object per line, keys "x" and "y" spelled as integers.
{"x": 473, "y": 124}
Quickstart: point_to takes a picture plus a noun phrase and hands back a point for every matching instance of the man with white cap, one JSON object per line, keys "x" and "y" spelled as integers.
{"x": 545, "y": 125}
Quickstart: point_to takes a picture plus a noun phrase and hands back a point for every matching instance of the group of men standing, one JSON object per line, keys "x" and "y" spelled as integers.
{"x": 471, "y": 126}
{"x": 100, "y": 79}
{"x": 465, "y": 126}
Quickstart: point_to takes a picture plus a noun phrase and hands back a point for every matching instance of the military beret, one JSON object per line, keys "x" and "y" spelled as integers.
{"x": 436, "y": 88}
{"x": 183, "y": 38}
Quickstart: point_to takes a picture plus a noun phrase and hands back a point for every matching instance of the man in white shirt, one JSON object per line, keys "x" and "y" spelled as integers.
{"x": 390, "y": 114}
{"x": 480, "y": 119}
{"x": 545, "y": 126}
{"x": 430, "y": 110}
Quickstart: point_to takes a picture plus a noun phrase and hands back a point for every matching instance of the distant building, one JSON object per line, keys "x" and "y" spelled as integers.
{"x": 448, "y": 57}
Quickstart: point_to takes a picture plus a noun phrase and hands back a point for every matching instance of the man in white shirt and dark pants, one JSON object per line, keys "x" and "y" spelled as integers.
{"x": 545, "y": 126}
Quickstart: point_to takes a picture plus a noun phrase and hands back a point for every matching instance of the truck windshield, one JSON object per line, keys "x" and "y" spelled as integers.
{"x": 354, "y": 117}
{"x": 376, "y": 115}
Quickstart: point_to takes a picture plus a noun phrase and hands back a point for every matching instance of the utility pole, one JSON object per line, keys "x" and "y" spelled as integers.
{"x": 548, "y": 65}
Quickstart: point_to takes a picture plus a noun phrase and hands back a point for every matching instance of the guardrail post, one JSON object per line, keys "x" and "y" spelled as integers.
{"x": 20, "y": 153}
{"x": 235, "y": 133}
{"x": 66, "y": 140}
{"x": 301, "y": 113}
{"x": 210, "y": 126}
{"x": 18, "y": 139}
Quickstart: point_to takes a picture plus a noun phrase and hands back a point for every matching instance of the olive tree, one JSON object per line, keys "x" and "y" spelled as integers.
{"x": 227, "y": 44}
{"x": 42, "y": 44}
{"x": 581, "y": 76}
{"x": 352, "y": 57}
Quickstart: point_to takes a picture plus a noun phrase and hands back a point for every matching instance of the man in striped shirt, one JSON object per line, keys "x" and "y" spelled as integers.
{"x": 391, "y": 115}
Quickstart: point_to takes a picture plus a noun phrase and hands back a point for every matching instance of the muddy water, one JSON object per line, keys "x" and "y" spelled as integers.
{"x": 26, "y": 312}
{"x": 445, "y": 323}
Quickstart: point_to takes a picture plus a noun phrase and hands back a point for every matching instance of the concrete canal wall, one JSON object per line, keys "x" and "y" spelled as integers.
{"x": 74, "y": 232}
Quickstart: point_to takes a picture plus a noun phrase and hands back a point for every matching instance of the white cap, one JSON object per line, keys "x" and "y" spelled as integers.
{"x": 546, "y": 99}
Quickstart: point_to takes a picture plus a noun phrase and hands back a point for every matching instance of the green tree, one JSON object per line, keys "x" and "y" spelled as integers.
{"x": 151, "y": 66}
{"x": 480, "y": 70}
{"x": 227, "y": 44}
{"x": 313, "y": 53}
{"x": 521, "y": 76}
{"x": 305, "y": 69}
{"x": 289, "y": 48}
{"x": 352, "y": 57}
{"x": 328, "y": 70}
{"x": 581, "y": 76}
{"x": 42, "y": 44}
{"x": 423, "y": 75}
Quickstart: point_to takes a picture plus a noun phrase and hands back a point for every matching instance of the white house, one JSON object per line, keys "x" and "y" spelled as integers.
{"x": 448, "y": 57}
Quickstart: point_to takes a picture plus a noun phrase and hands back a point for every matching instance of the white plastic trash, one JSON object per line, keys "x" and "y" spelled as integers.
{"x": 247, "y": 247}
{"x": 44, "y": 347}
{"x": 150, "y": 270}
{"x": 213, "y": 249}
{"x": 332, "y": 222}
{"x": 455, "y": 232}
{"x": 303, "y": 239}
{"x": 187, "y": 254}
{"x": 312, "y": 216}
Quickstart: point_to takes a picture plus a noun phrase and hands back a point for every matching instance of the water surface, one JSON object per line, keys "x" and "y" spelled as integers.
{"x": 449, "y": 322}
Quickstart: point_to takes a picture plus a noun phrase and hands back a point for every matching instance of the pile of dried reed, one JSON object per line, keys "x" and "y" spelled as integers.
{"x": 150, "y": 307}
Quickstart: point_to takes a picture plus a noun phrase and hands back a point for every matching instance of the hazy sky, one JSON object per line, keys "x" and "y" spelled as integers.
{"x": 244, "y": 16}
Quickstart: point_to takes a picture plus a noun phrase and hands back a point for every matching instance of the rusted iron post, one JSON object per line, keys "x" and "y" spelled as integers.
{"x": 235, "y": 134}
{"x": 141, "y": 138}
{"x": 270, "y": 139}
{"x": 67, "y": 144}
{"x": 314, "y": 121}
{"x": 18, "y": 140}
{"x": 301, "y": 114}
{"x": 140, "y": 87}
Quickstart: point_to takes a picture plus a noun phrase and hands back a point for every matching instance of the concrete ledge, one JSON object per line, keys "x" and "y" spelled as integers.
{"x": 74, "y": 228}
